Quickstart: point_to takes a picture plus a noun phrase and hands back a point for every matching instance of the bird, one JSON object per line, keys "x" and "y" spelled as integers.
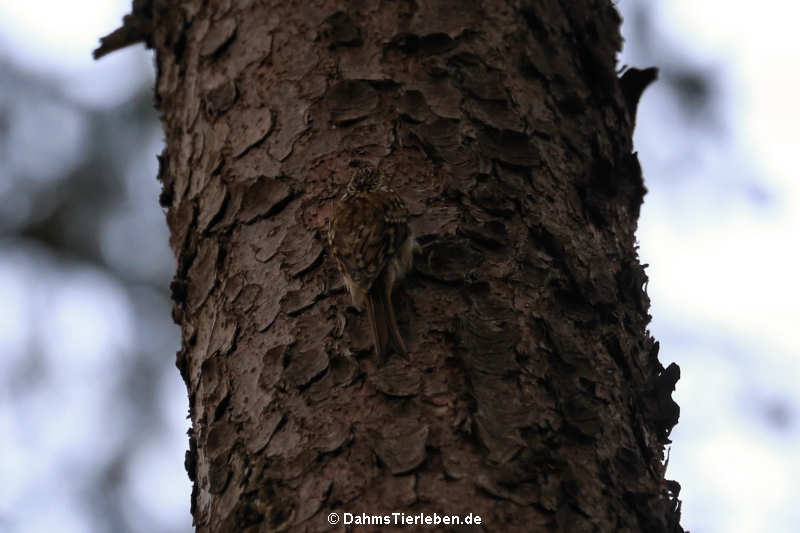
{"x": 374, "y": 248}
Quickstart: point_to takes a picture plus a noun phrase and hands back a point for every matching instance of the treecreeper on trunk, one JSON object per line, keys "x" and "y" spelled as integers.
{"x": 374, "y": 248}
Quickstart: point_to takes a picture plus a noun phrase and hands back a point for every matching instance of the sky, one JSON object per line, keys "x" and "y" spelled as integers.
{"x": 71, "y": 334}
{"x": 718, "y": 230}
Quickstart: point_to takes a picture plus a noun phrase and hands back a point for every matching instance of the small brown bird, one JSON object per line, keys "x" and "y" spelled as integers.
{"x": 374, "y": 248}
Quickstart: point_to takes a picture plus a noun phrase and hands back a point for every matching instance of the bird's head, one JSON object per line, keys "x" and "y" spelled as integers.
{"x": 364, "y": 179}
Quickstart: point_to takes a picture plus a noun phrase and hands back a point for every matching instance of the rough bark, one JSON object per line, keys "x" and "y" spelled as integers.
{"x": 533, "y": 395}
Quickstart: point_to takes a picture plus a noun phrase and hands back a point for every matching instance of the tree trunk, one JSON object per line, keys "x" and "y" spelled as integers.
{"x": 532, "y": 396}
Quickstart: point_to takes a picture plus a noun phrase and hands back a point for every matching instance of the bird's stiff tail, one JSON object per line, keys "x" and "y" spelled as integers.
{"x": 385, "y": 333}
